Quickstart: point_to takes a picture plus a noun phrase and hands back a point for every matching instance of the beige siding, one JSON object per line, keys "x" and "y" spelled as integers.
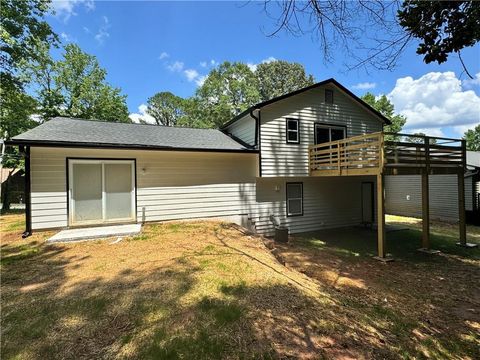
{"x": 282, "y": 159}
{"x": 404, "y": 196}
{"x": 173, "y": 185}
{"x": 243, "y": 129}
{"x": 328, "y": 203}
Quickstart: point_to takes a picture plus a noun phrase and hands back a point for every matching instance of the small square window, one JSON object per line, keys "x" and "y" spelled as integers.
{"x": 294, "y": 199}
{"x": 293, "y": 131}
{"x": 329, "y": 96}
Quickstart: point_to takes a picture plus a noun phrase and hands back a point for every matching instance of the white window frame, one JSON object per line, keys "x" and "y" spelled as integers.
{"x": 288, "y": 199}
{"x": 288, "y": 131}
{"x": 104, "y": 220}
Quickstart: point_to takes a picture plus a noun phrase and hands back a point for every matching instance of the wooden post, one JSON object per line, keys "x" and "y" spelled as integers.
{"x": 461, "y": 201}
{"x": 461, "y": 209}
{"x": 380, "y": 218}
{"x": 425, "y": 211}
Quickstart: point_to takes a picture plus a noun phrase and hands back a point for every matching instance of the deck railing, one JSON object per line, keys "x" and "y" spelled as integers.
{"x": 357, "y": 154}
{"x": 372, "y": 154}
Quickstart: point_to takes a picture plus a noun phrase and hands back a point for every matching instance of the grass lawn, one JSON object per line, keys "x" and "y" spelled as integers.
{"x": 206, "y": 290}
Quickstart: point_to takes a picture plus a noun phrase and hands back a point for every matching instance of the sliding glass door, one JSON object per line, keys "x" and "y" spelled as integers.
{"x": 101, "y": 191}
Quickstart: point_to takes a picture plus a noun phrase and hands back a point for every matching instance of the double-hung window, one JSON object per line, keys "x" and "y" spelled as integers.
{"x": 327, "y": 133}
{"x": 294, "y": 199}
{"x": 293, "y": 131}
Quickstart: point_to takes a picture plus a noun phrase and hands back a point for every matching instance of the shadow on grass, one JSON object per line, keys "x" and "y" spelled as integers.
{"x": 401, "y": 244}
{"x": 151, "y": 314}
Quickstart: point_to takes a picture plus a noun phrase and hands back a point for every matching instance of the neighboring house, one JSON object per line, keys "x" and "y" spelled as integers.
{"x": 404, "y": 194}
{"x": 263, "y": 162}
{"x": 13, "y": 182}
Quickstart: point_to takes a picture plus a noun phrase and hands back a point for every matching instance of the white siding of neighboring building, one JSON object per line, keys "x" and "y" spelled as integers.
{"x": 282, "y": 159}
{"x": 176, "y": 185}
{"x": 243, "y": 129}
{"x": 403, "y": 196}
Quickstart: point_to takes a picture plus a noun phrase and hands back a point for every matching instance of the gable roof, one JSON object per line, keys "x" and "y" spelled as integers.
{"x": 68, "y": 132}
{"x": 296, "y": 92}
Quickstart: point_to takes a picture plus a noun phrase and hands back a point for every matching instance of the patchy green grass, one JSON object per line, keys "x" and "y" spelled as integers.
{"x": 204, "y": 290}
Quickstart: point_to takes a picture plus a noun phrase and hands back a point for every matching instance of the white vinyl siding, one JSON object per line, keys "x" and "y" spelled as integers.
{"x": 243, "y": 129}
{"x": 282, "y": 159}
{"x": 403, "y": 196}
{"x": 328, "y": 202}
{"x": 170, "y": 185}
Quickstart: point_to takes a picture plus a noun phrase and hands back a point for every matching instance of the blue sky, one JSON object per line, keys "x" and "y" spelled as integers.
{"x": 152, "y": 46}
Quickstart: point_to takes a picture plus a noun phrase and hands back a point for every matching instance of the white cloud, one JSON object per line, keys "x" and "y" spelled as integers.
{"x": 177, "y": 66}
{"x": 364, "y": 85}
{"x": 435, "y": 100}
{"x": 191, "y": 74}
{"x": 470, "y": 83}
{"x": 214, "y": 62}
{"x": 65, "y": 9}
{"x": 253, "y": 66}
{"x": 200, "y": 80}
{"x": 142, "y": 115}
{"x": 203, "y": 64}
{"x": 164, "y": 55}
{"x": 67, "y": 37}
{"x": 103, "y": 33}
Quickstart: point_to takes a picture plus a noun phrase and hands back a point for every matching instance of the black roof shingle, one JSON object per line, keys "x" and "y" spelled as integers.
{"x": 67, "y": 131}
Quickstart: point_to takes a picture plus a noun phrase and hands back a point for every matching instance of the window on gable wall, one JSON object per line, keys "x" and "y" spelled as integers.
{"x": 329, "y": 96}
{"x": 293, "y": 131}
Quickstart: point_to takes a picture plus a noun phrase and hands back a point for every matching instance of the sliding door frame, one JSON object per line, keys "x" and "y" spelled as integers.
{"x": 69, "y": 187}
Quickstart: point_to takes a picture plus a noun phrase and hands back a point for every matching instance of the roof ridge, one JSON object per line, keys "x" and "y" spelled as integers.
{"x": 132, "y": 123}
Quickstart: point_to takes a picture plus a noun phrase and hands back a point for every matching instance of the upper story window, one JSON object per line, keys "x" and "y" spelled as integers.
{"x": 293, "y": 131}
{"x": 294, "y": 199}
{"x": 329, "y": 96}
{"x": 326, "y": 133}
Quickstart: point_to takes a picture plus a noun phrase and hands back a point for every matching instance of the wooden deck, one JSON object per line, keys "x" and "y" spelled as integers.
{"x": 371, "y": 154}
{"x": 377, "y": 154}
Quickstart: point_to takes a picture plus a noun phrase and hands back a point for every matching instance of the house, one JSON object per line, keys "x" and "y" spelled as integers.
{"x": 404, "y": 194}
{"x": 311, "y": 159}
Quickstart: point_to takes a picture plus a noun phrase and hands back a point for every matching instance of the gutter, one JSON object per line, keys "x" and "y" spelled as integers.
{"x": 66, "y": 144}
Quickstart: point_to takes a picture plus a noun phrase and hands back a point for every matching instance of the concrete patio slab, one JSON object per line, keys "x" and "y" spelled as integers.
{"x": 98, "y": 232}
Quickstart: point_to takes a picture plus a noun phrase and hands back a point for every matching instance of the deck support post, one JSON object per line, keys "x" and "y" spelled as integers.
{"x": 382, "y": 255}
{"x": 425, "y": 211}
{"x": 461, "y": 202}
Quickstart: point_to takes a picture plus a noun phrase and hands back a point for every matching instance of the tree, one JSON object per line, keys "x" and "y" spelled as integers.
{"x": 228, "y": 90}
{"x": 419, "y": 138}
{"x": 84, "y": 93}
{"x": 280, "y": 77}
{"x": 74, "y": 86}
{"x": 386, "y": 108}
{"x": 16, "y": 109}
{"x": 376, "y": 33}
{"x": 166, "y": 108}
{"x": 443, "y": 27}
{"x": 21, "y": 27}
{"x": 472, "y": 137}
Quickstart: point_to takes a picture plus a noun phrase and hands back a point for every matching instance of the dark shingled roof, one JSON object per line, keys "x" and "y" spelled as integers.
{"x": 66, "y": 132}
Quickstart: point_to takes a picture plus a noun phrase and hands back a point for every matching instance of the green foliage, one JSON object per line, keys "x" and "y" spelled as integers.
{"x": 442, "y": 27}
{"x": 472, "y": 138}
{"x": 386, "y": 108}
{"x": 228, "y": 90}
{"x": 166, "y": 108}
{"x": 80, "y": 81}
{"x": 279, "y": 77}
{"x": 21, "y": 27}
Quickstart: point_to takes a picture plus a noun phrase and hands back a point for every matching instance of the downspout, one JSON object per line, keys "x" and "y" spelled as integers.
{"x": 28, "y": 208}
{"x": 258, "y": 144}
